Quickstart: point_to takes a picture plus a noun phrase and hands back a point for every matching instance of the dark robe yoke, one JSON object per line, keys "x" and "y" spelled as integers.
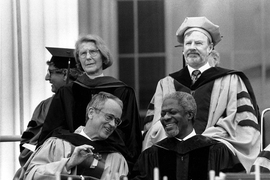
{"x": 102, "y": 149}
{"x": 183, "y": 160}
{"x": 68, "y": 110}
{"x": 202, "y": 89}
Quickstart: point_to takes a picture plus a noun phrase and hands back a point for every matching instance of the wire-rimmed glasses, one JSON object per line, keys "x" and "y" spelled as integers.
{"x": 93, "y": 53}
{"x": 110, "y": 117}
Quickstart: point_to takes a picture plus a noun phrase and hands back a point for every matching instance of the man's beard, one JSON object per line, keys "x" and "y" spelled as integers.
{"x": 172, "y": 133}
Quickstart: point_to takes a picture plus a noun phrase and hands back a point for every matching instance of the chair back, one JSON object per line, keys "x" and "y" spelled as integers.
{"x": 265, "y": 128}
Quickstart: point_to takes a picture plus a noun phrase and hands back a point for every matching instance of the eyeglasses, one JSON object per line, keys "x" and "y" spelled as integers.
{"x": 110, "y": 117}
{"x": 93, "y": 53}
{"x": 55, "y": 71}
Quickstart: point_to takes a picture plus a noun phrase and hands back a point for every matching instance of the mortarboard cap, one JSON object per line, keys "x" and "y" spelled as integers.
{"x": 61, "y": 57}
{"x": 201, "y": 24}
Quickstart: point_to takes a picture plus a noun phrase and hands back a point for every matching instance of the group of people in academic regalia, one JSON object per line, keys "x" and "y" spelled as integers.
{"x": 195, "y": 122}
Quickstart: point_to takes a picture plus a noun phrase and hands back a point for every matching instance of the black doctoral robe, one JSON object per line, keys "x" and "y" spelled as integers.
{"x": 183, "y": 160}
{"x": 68, "y": 110}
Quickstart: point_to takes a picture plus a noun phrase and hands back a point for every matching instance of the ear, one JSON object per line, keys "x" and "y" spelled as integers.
{"x": 90, "y": 113}
{"x": 210, "y": 48}
{"x": 190, "y": 116}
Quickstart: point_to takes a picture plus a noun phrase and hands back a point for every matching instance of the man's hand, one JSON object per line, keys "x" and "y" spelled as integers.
{"x": 79, "y": 154}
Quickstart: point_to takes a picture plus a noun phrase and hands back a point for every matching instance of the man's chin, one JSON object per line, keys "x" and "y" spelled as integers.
{"x": 172, "y": 133}
{"x": 53, "y": 90}
{"x": 106, "y": 135}
{"x": 194, "y": 60}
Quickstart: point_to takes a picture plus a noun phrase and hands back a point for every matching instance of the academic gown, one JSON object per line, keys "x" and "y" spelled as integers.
{"x": 226, "y": 110}
{"x": 34, "y": 127}
{"x": 68, "y": 111}
{"x": 191, "y": 159}
{"x": 51, "y": 158}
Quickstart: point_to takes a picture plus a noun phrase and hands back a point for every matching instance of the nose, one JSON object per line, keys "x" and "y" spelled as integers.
{"x": 192, "y": 46}
{"x": 88, "y": 55}
{"x": 112, "y": 123}
{"x": 166, "y": 117}
{"x": 47, "y": 77}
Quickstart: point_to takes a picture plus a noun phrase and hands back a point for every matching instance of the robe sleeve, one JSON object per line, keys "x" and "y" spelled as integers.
{"x": 143, "y": 169}
{"x": 221, "y": 159}
{"x": 115, "y": 165}
{"x": 36, "y": 122}
{"x": 49, "y": 160}
{"x": 34, "y": 127}
{"x": 232, "y": 119}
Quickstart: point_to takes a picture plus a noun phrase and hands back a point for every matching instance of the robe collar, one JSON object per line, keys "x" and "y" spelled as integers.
{"x": 102, "y": 146}
{"x": 93, "y": 77}
{"x": 182, "y": 76}
{"x": 190, "y": 135}
{"x": 99, "y": 82}
{"x": 183, "y": 147}
{"x": 201, "y": 69}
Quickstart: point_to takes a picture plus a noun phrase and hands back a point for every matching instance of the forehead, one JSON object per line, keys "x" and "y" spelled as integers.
{"x": 170, "y": 104}
{"x": 112, "y": 106}
{"x": 87, "y": 45}
{"x": 195, "y": 35}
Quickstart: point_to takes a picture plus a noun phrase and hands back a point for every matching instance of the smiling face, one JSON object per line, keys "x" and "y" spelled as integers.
{"x": 196, "y": 49}
{"x": 174, "y": 119}
{"x": 91, "y": 65}
{"x": 98, "y": 126}
{"x": 56, "y": 78}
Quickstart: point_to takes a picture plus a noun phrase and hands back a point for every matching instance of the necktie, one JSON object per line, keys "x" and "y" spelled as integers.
{"x": 195, "y": 75}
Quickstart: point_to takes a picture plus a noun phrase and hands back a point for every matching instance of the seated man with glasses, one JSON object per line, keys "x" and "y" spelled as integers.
{"x": 87, "y": 152}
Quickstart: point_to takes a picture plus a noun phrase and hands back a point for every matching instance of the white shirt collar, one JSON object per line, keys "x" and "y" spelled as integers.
{"x": 83, "y": 134}
{"x": 202, "y": 69}
{"x": 193, "y": 133}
